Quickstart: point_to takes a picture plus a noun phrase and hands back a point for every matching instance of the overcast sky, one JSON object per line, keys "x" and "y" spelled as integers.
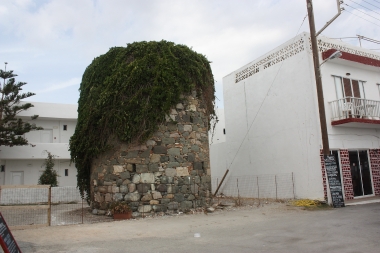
{"x": 49, "y": 43}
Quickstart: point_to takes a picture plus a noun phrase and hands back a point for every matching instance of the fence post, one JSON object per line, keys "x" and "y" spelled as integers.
{"x": 258, "y": 188}
{"x": 294, "y": 195}
{"x": 49, "y": 204}
{"x": 82, "y": 211}
{"x": 275, "y": 181}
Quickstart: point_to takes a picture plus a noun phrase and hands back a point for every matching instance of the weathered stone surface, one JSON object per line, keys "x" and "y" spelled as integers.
{"x": 192, "y": 108}
{"x": 118, "y": 196}
{"x": 191, "y": 197}
{"x": 132, "y": 196}
{"x": 187, "y": 128}
{"x": 154, "y": 202}
{"x": 136, "y": 178}
{"x": 186, "y": 205}
{"x": 143, "y": 188}
{"x": 155, "y": 158}
{"x": 130, "y": 167}
{"x": 164, "y": 180}
{"x": 153, "y": 167}
{"x": 145, "y": 154}
{"x": 159, "y": 150}
{"x": 172, "y": 126}
{"x": 182, "y": 171}
{"x": 123, "y": 188}
{"x": 95, "y": 211}
{"x": 131, "y": 187}
{"x": 197, "y": 166}
{"x": 107, "y": 183}
{"x": 194, "y": 189}
{"x": 170, "y": 172}
{"x": 195, "y": 148}
{"x": 157, "y": 195}
{"x": 168, "y": 140}
{"x": 174, "y": 135}
{"x": 136, "y": 214}
{"x": 150, "y": 143}
{"x": 206, "y": 179}
{"x": 171, "y": 179}
{"x": 172, "y": 165}
{"x": 126, "y": 182}
{"x": 147, "y": 178}
{"x": 173, "y": 206}
{"x": 169, "y": 188}
{"x": 117, "y": 169}
{"x": 146, "y": 197}
{"x": 162, "y": 188}
{"x": 188, "y": 180}
{"x": 102, "y": 189}
{"x": 101, "y": 212}
{"x": 179, "y": 106}
{"x": 133, "y": 160}
{"x": 186, "y": 118}
{"x": 132, "y": 154}
{"x": 108, "y": 197}
{"x": 145, "y": 208}
{"x": 184, "y": 189}
{"x": 180, "y": 128}
{"x": 124, "y": 175}
{"x": 179, "y": 197}
{"x": 174, "y": 151}
{"x": 141, "y": 168}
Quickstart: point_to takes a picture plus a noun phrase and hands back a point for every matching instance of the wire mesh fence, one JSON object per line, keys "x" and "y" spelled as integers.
{"x": 26, "y": 206}
{"x": 273, "y": 186}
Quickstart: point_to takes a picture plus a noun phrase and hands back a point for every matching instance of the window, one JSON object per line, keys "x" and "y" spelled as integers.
{"x": 346, "y": 87}
{"x": 66, "y": 172}
{"x": 2, "y": 168}
{"x": 64, "y": 127}
{"x": 224, "y": 131}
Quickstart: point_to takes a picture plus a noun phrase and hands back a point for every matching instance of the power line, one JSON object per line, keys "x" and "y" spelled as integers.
{"x": 363, "y": 18}
{"x": 365, "y": 7}
{"x": 371, "y": 4}
{"x": 375, "y": 1}
{"x": 361, "y": 11}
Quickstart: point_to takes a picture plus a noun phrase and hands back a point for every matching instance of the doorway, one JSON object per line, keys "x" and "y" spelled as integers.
{"x": 17, "y": 177}
{"x": 360, "y": 173}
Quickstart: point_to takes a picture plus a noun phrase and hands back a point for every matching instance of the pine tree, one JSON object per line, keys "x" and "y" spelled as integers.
{"x": 12, "y": 128}
{"x": 49, "y": 176}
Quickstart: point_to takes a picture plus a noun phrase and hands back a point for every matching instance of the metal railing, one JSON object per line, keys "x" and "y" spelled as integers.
{"x": 351, "y": 107}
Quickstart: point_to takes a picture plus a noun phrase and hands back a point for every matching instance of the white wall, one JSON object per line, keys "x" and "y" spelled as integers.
{"x": 341, "y": 137}
{"x": 273, "y": 126}
{"x": 32, "y": 169}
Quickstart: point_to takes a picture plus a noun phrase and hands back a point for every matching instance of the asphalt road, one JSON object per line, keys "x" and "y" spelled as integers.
{"x": 272, "y": 228}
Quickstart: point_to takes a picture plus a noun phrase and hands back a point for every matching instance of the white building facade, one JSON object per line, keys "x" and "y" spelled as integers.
{"x": 272, "y": 118}
{"x": 22, "y": 165}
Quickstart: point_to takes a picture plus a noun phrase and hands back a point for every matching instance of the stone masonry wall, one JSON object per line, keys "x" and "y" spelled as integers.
{"x": 170, "y": 172}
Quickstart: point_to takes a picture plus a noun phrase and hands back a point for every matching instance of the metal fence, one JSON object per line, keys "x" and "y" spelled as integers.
{"x": 25, "y": 206}
{"x": 269, "y": 186}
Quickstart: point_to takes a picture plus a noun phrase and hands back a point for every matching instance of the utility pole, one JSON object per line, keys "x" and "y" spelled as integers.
{"x": 318, "y": 79}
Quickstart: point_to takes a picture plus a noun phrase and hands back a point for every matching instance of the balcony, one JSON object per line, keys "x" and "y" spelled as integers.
{"x": 61, "y": 150}
{"x": 355, "y": 112}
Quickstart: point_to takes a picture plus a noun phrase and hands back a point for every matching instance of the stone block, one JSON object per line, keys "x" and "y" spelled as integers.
{"x": 184, "y": 189}
{"x": 124, "y": 175}
{"x": 147, "y": 178}
{"x": 192, "y": 108}
{"x": 145, "y": 154}
{"x": 169, "y": 196}
{"x": 155, "y": 158}
{"x": 174, "y": 135}
{"x": 154, "y": 202}
{"x": 195, "y": 148}
{"x": 191, "y": 197}
{"x": 186, "y": 118}
{"x": 159, "y": 150}
{"x": 141, "y": 168}
{"x": 143, "y": 188}
{"x": 187, "y": 180}
{"x": 168, "y": 140}
{"x": 186, "y": 205}
{"x": 165, "y": 201}
{"x": 118, "y": 196}
{"x": 180, "y": 128}
{"x": 150, "y": 143}
{"x": 136, "y": 214}
{"x": 115, "y": 189}
{"x": 132, "y": 154}
{"x": 130, "y": 167}
{"x": 102, "y": 189}
{"x": 146, "y": 197}
{"x": 194, "y": 188}
{"x": 132, "y": 196}
{"x": 172, "y": 126}
{"x": 179, "y": 197}
{"x": 145, "y": 208}
{"x": 123, "y": 188}
{"x": 182, "y": 171}
{"x": 197, "y": 179}
{"x": 133, "y": 160}
{"x": 171, "y": 179}
{"x": 172, "y": 165}
{"x": 131, "y": 187}
{"x": 136, "y": 178}
{"x": 153, "y": 167}
{"x": 169, "y": 188}
{"x": 162, "y": 188}
{"x": 164, "y": 180}
{"x": 173, "y": 206}
{"x": 174, "y": 151}
{"x": 157, "y": 195}
{"x": 170, "y": 172}
{"x": 206, "y": 179}
{"x": 187, "y": 128}
{"x": 126, "y": 181}
{"x": 197, "y": 166}
{"x": 108, "y": 197}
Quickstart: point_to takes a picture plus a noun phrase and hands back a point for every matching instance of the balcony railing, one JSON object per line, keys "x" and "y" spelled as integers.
{"x": 351, "y": 107}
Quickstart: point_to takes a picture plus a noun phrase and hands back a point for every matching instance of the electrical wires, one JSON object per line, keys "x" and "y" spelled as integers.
{"x": 366, "y": 8}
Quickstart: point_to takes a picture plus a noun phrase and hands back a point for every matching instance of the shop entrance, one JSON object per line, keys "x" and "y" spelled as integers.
{"x": 360, "y": 173}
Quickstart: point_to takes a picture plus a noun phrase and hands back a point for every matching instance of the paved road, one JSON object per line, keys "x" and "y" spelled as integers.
{"x": 272, "y": 228}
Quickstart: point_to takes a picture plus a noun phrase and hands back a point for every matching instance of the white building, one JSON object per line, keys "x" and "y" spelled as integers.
{"x": 272, "y": 119}
{"x": 24, "y": 164}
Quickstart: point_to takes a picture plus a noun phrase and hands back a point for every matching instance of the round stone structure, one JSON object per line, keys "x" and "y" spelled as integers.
{"x": 169, "y": 172}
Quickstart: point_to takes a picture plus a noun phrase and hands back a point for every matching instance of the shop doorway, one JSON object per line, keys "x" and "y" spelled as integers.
{"x": 360, "y": 173}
